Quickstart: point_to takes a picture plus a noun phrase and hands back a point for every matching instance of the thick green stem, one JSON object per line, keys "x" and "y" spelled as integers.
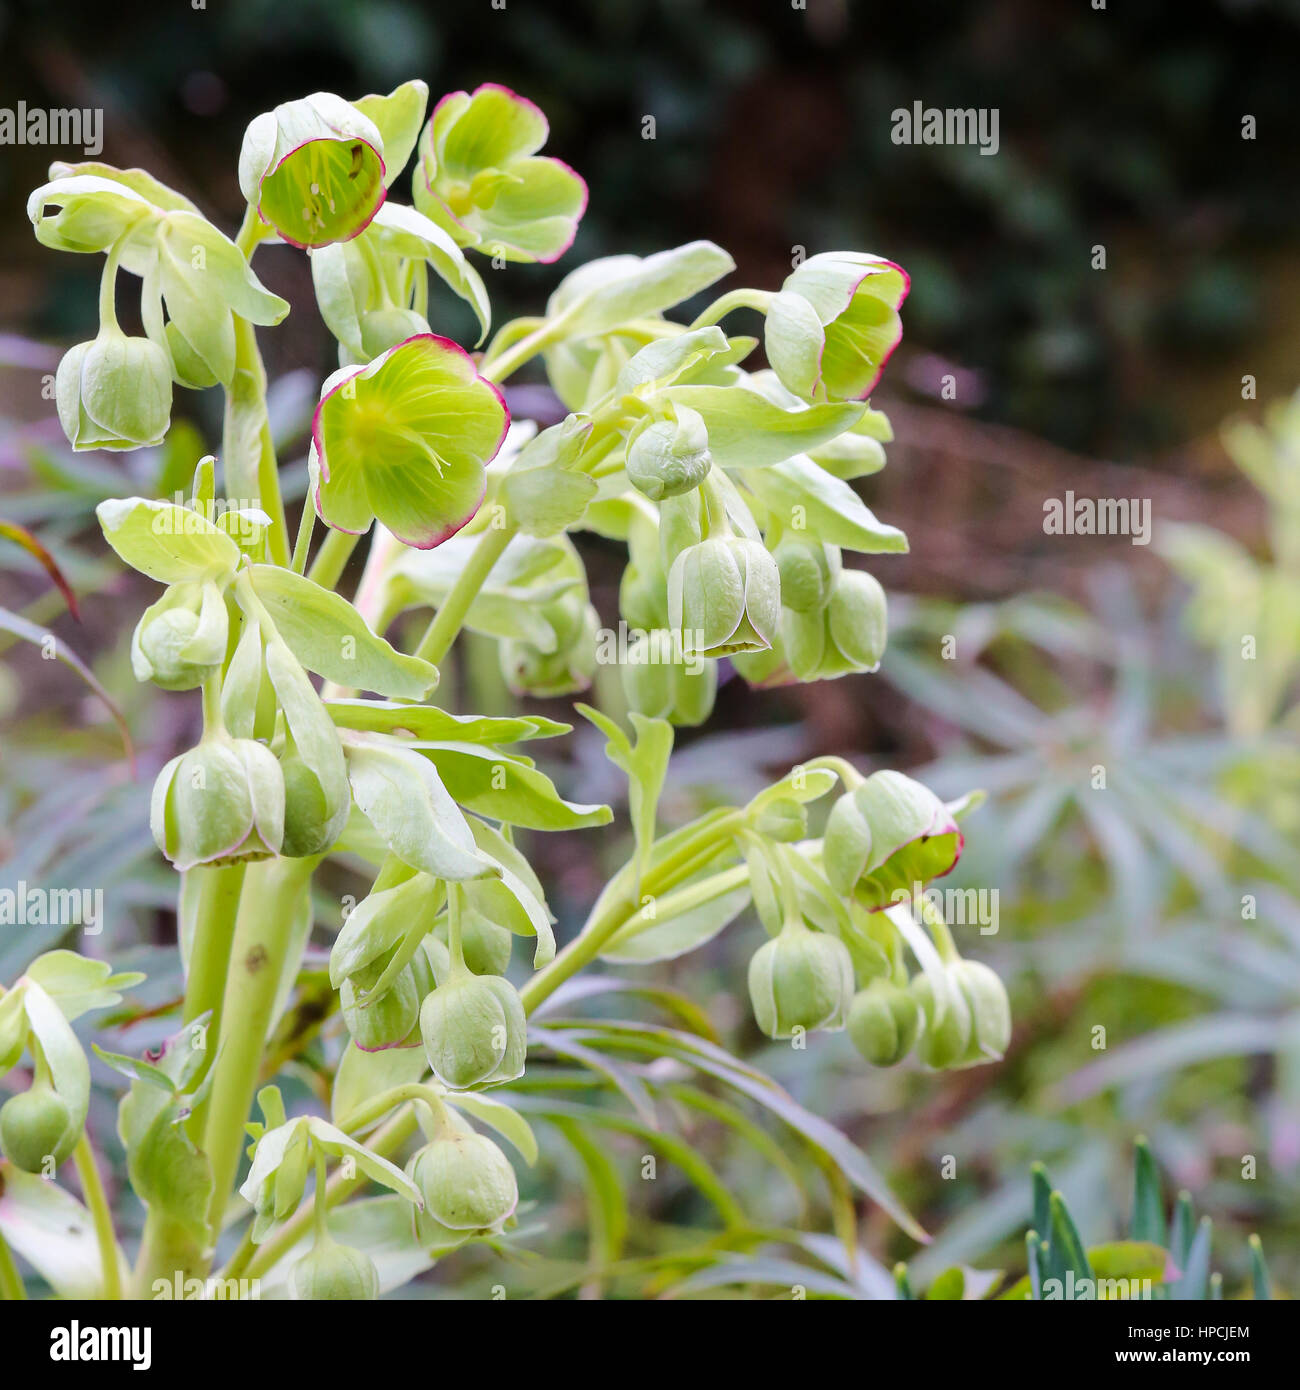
{"x": 97, "y": 1204}
{"x": 441, "y": 632}
{"x": 332, "y": 558}
{"x": 272, "y": 891}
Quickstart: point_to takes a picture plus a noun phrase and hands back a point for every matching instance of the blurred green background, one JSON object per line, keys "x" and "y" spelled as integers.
{"x": 1119, "y": 127}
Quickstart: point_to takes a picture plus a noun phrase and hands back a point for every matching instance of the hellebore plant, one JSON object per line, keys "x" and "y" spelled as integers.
{"x": 729, "y": 488}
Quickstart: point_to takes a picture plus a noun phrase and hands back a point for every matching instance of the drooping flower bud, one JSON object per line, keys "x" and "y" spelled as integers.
{"x": 35, "y": 1125}
{"x": 181, "y": 639}
{"x": 886, "y": 836}
{"x": 883, "y": 1022}
{"x": 114, "y": 392}
{"x": 474, "y": 1031}
{"x": 313, "y": 169}
{"x": 989, "y": 1007}
{"x": 661, "y": 685}
{"x": 666, "y": 458}
{"x": 724, "y": 596}
{"x": 466, "y": 1181}
{"x": 569, "y": 668}
{"x": 386, "y": 1021}
{"x": 846, "y": 637}
{"x": 220, "y": 803}
{"x": 330, "y": 1271}
{"x": 809, "y": 573}
{"x": 946, "y": 1037}
{"x": 801, "y": 979}
{"x": 481, "y": 178}
{"x": 835, "y": 323}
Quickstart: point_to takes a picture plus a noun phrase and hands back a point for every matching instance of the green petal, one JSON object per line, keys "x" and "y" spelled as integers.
{"x": 484, "y": 131}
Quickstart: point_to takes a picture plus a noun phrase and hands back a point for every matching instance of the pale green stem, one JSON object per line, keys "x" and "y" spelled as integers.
{"x": 247, "y": 449}
{"x": 514, "y": 357}
{"x": 302, "y": 542}
{"x": 332, "y": 558}
{"x": 257, "y": 957}
{"x": 733, "y": 299}
{"x": 442, "y": 631}
{"x": 97, "y": 1204}
{"x": 844, "y": 770}
{"x": 684, "y": 900}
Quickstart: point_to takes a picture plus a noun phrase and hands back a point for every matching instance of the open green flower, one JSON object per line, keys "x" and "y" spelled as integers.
{"x": 887, "y": 836}
{"x": 481, "y": 177}
{"x": 407, "y": 439}
{"x": 835, "y": 323}
{"x": 313, "y": 169}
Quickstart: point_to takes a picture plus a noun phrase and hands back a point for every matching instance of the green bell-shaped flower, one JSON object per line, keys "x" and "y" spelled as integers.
{"x": 330, "y": 1271}
{"x": 220, "y": 803}
{"x": 884, "y": 1021}
{"x": 569, "y": 668}
{"x": 810, "y": 572}
{"x": 835, "y": 324}
{"x": 680, "y": 691}
{"x": 886, "y": 837}
{"x": 666, "y": 458}
{"x": 480, "y": 177}
{"x": 466, "y": 1181}
{"x": 36, "y": 1125}
{"x": 948, "y": 1031}
{"x": 386, "y": 1021}
{"x": 114, "y": 392}
{"x": 313, "y": 169}
{"x": 800, "y": 980}
{"x": 180, "y": 640}
{"x": 845, "y": 637}
{"x": 474, "y": 1031}
{"x": 990, "y": 1010}
{"x": 406, "y": 439}
{"x": 724, "y": 596}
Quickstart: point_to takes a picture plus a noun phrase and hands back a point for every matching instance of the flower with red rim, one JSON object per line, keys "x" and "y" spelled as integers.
{"x": 481, "y": 179}
{"x": 835, "y": 323}
{"x": 887, "y": 838}
{"x": 314, "y": 170}
{"x": 406, "y": 438}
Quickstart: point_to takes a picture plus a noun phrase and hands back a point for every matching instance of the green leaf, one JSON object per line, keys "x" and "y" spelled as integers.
{"x": 397, "y": 117}
{"x": 430, "y": 722}
{"x": 78, "y": 984}
{"x": 645, "y": 764}
{"x": 54, "y": 1233}
{"x": 747, "y": 431}
{"x": 675, "y": 934}
{"x": 1261, "y": 1285}
{"x": 327, "y": 634}
{"x": 402, "y": 795}
{"x": 497, "y": 1115}
{"x": 607, "y": 1209}
{"x": 544, "y": 492}
{"x": 602, "y": 295}
{"x": 69, "y": 1070}
{"x": 168, "y": 543}
{"x": 514, "y": 901}
{"x": 1195, "y": 1281}
{"x": 1148, "y": 1222}
{"x": 1065, "y": 1252}
{"x": 361, "y": 1075}
{"x": 828, "y": 507}
{"x": 505, "y": 789}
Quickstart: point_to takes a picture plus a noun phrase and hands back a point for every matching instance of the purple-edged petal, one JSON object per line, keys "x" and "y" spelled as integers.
{"x": 407, "y": 439}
